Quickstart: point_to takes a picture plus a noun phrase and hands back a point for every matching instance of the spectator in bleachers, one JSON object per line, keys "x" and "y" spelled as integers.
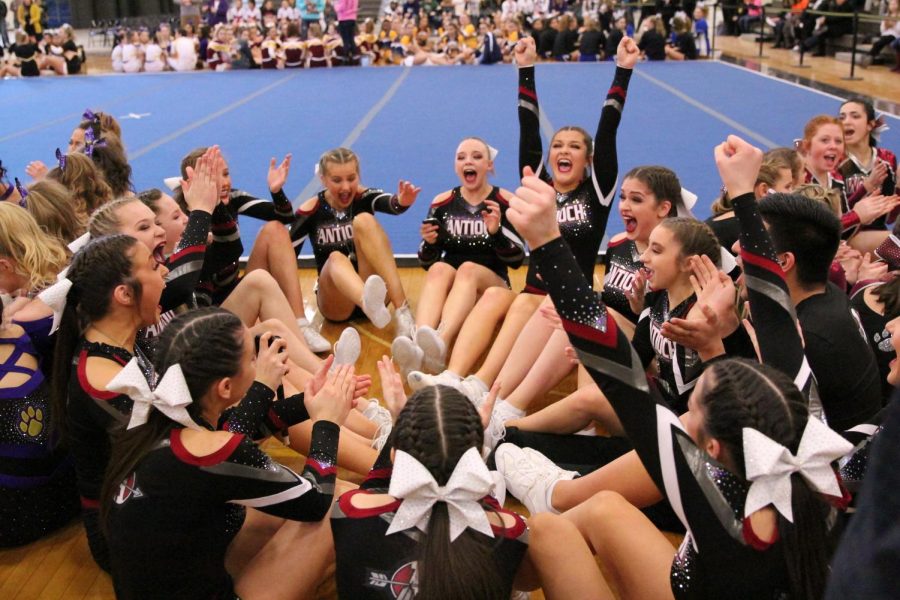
{"x": 787, "y": 24}
{"x": 830, "y": 27}
{"x": 217, "y": 12}
{"x": 652, "y": 40}
{"x": 564, "y": 44}
{"x": 591, "y": 43}
{"x": 615, "y": 36}
{"x": 751, "y": 16}
{"x": 286, "y": 12}
{"x": 312, "y": 11}
{"x": 346, "y": 14}
{"x": 683, "y": 46}
{"x": 30, "y": 15}
{"x": 236, "y": 13}
{"x": 252, "y": 16}
{"x": 269, "y": 14}
{"x": 547, "y": 38}
{"x": 889, "y": 32}
{"x": 4, "y": 34}
{"x": 190, "y": 12}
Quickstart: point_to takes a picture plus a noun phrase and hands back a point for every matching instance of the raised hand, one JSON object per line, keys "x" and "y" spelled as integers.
{"x": 36, "y": 169}
{"x": 715, "y": 290}
{"x": 407, "y": 193}
{"x": 525, "y": 52}
{"x": 278, "y": 174}
{"x": 271, "y": 362}
{"x": 201, "y": 189}
{"x": 392, "y": 391}
{"x": 491, "y": 216}
{"x": 334, "y": 399}
{"x": 532, "y": 210}
{"x": 738, "y": 164}
{"x": 628, "y": 53}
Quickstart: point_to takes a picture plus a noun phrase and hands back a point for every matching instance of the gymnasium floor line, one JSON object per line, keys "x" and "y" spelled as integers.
{"x": 209, "y": 118}
{"x": 313, "y": 184}
{"x": 709, "y": 110}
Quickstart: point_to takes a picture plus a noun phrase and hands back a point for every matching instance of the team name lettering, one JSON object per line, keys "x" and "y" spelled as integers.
{"x": 466, "y": 227}
{"x": 334, "y": 234}
{"x": 619, "y": 278}
{"x": 571, "y": 213}
{"x": 663, "y": 347}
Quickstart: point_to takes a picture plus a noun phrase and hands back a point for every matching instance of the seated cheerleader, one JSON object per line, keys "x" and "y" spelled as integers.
{"x": 867, "y": 166}
{"x": 668, "y": 269}
{"x": 272, "y": 251}
{"x": 585, "y": 182}
{"x": 173, "y": 497}
{"x": 255, "y": 297}
{"x": 722, "y": 467}
{"x": 353, "y": 254}
{"x": 52, "y": 206}
{"x": 317, "y": 54}
{"x": 83, "y": 180}
{"x": 114, "y": 287}
{"x": 292, "y": 47}
{"x": 425, "y": 523}
{"x": 821, "y": 148}
{"x": 467, "y": 247}
{"x": 37, "y": 477}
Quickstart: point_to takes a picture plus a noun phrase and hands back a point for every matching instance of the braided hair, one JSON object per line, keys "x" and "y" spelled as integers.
{"x": 436, "y": 427}
{"x": 186, "y": 342}
{"x": 96, "y": 270}
{"x": 748, "y": 394}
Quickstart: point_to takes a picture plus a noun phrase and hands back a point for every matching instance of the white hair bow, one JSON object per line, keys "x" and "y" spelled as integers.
{"x": 881, "y": 127}
{"x": 683, "y": 208}
{"x": 173, "y": 183}
{"x": 80, "y": 242}
{"x": 492, "y": 152}
{"x": 470, "y": 482}
{"x": 171, "y": 396}
{"x": 55, "y": 297}
{"x": 769, "y": 465}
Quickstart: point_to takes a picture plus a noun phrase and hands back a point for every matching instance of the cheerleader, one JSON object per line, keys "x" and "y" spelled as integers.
{"x": 356, "y": 266}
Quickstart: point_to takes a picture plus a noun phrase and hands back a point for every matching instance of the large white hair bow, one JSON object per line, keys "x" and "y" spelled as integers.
{"x": 684, "y": 209}
{"x": 55, "y": 297}
{"x": 769, "y": 465}
{"x": 470, "y": 482}
{"x": 171, "y": 396}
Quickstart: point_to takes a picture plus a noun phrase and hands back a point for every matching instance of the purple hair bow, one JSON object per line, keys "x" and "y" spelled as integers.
{"x": 91, "y": 141}
{"x": 61, "y": 159}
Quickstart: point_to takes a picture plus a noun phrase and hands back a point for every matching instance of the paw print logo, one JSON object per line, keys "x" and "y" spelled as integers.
{"x": 32, "y": 423}
{"x": 883, "y": 341}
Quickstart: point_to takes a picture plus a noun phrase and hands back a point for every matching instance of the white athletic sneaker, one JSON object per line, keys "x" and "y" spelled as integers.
{"x": 530, "y": 476}
{"x": 381, "y": 416}
{"x": 404, "y": 323}
{"x": 374, "y": 293}
{"x": 347, "y": 349}
{"x": 429, "y": 340}
{"x": 474, "y": 389}
{"x": 407, "y": 355}
{"x": 417, "y": 380}
{"x": 496, "y": 429}
{"x": 315, "y": 341}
